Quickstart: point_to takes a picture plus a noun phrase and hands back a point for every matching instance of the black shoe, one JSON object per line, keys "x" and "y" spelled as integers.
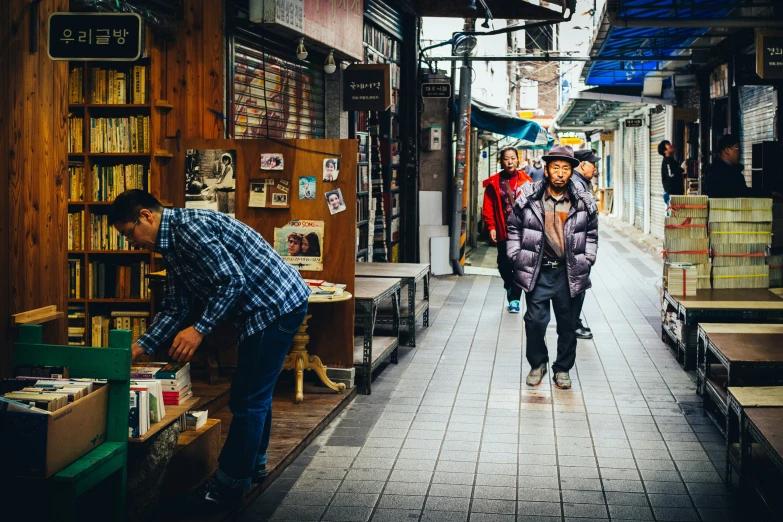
{"x": 581, "y": 325}
{"x": 583, "y": 333}
{"x": 212, "y": 494}
{"x": 260, "y": 474}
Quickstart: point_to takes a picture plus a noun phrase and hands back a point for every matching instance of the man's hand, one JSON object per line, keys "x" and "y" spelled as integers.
{"x": 136, "y": 352}
{"x": 493, "y": 235}
{"x": 185, "y": 344}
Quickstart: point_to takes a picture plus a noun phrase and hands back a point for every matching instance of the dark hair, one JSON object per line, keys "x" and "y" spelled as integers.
{"x": 127, "y": 206}
{"x": 333, "y": 192}
{"x": 313, "y": 245}
{"x": 331, "y": 162}
{"x": 502, "y": 153}
{"x": 726, "y": 141}
{"x": 662, "y": 147}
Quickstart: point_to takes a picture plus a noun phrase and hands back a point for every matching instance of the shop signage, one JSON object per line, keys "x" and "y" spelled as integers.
{"x": 287, "y": 13}
{"x": 769, "y": 55}
{"x": 436, "y": 90}
{"x": 337, "y": 24}
{"x": 367, "y": 87}
{"x": 95, "y": 36}
{"x": 634, "y": 122}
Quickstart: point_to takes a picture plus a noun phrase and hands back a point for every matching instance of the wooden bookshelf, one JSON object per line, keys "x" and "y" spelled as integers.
{"x": 114, "y": 102}
{"x": 365, "y": 210}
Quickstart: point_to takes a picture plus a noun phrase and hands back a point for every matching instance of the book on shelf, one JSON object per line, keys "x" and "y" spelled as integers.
{"x": 160, "y": 370}
{"x": 109, "y": 181}
{"x": 171, "y": 396}
{"x": 195, "y": 420}
{"x": 157, "y": 409}
{"x": 109, "y": 280}
{"x": 75, "y": 278}
{"x": 75, "y": 181}
{"x": 120, "y": 135}
{"x": 104, "y": 236}
{"x": 75, "y": 134}
{"x": 113, "y": 86}
{"x": 41, "y": 371}
{"x": 381, "y": 42}
{"x": 76, "y": 230}
{"x": 138, "y": 413}
{"x": 76, "y": 85}
{"x": 176, "y": 402}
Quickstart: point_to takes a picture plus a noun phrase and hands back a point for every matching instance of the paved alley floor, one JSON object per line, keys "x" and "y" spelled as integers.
{"x": 452, "y": 433}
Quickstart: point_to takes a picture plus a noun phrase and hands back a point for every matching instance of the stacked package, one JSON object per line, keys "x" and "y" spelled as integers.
{"x": 775, "y": 271}
{"x": 681, "y": 279}
{"x": 740, "y": 232}
{"x": 686, "y": 242}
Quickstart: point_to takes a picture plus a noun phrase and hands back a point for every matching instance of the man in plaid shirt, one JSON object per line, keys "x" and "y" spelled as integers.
{"x": 230, "y": 269}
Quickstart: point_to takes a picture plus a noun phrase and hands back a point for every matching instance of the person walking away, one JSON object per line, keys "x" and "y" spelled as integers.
{"x": 226, "y": 265}
{"x": 552, "y": 243}
{"x": 583, "y": 178}
{"x": 499, "y": 195}
{"x": 537, "y": 170}
{"x": 672, "y": 174}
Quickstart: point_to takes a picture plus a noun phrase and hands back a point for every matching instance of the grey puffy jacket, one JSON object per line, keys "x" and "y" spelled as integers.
{"x": 525, "y": 244}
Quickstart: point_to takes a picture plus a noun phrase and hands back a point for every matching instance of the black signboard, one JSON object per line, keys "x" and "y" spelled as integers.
{"x": 634, "y": 122}
{"x": 367, "y": 87}
{"x": 769, "y": 55}
{"x": 114, "y": 37}
{"x": 436, "y": 90}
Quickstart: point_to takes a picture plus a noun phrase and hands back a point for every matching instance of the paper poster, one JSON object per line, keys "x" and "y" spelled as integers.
{"x": 300, "y": 244}
{"x": 331, "y": 169}
{"x": 307, "y": 187}
{"x": 334, "y": 199}
{"x": 210, "y": 179}
{"x": 280, "y": 200}
{"x": 257, "y": 195}
{"x": 272, "y": 161}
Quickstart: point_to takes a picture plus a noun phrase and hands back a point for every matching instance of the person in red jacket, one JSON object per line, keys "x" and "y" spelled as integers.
{"x": 499, "y": 192}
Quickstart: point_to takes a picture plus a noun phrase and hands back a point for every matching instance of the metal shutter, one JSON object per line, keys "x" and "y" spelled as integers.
{"x": 638, "y": 177}
{"x": 385, "y": 16}
{"x": 275, "y": 94}
{"x": 657, "y": 206}
{"x": 627, "y": 173}
{"x": 757, "y": 113}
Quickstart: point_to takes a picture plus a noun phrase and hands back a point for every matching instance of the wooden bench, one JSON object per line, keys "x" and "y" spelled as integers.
{"x": 107, "y": 462}
{"x": 370, "y": 351}
{"x": 717, "y": 306}
{"x": 410, "y": 274}
{"x": 737, "y": 355}
{"x": 754, "y": 442}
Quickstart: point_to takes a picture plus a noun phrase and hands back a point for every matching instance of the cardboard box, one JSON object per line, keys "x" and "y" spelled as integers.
{"x": 39, "y": 445}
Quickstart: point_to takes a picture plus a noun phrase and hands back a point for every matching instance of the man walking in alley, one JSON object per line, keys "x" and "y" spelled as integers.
{"x": 499, "y": 190}
{"x": 552, "y": 243}
{"x": 672, "y": 174}
{"x": 583, "y": 177}
{"x": 229, "y": 268}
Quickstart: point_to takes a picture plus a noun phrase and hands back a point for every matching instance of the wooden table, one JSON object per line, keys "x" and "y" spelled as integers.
{"x": 410, "y": 274}
{"x": 737, "y": 355}
{"x": 370, "y": 351}
{"x": 300, "y": 361}
{"x": 754, "y": 447}
{"x": 717, "y": 306}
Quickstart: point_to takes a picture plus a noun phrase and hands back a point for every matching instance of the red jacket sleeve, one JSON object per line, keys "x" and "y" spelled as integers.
{"x": 488, "y": 210}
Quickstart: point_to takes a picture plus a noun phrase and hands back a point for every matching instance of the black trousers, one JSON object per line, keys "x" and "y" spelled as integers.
{"x": 552, "y": 286}
{"x": 506, "y": 270}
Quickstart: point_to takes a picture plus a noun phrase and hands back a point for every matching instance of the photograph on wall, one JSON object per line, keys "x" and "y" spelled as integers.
{"x": 335, "y": 201}
{"x": 307, "y": 187}
{"x": 272, "y": 161}
{"x": 210, "y": 179}
{"x": 331, "y": 169}
{"x": 280, "y": 199}
{"x": 257, "y": 195}
{"x": 300, "y": 244}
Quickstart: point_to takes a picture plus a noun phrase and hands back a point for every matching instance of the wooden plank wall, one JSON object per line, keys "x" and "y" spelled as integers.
{"x": 34, "y": 152}
{"x": 331, "y": 328}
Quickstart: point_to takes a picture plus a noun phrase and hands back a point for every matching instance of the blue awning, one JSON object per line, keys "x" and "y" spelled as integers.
{"x": 503, "y": 122}
{"x": 631, "y": 42}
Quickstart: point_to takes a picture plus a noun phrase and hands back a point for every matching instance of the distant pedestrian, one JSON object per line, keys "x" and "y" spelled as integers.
{"x": 583, "y": 178}
{"x": 499, "y": 192}
{"x": 552, "y": 243}
{"x": 672, "y": 174}
{"x": 537, "y": 170}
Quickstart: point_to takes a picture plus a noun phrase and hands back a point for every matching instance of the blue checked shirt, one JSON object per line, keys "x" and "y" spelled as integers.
{"x": 224, "y": 263}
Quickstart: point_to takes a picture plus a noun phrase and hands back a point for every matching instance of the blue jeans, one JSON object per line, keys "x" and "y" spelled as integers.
{"x": 260, "y": 358}
{"x": 667, "y": 199}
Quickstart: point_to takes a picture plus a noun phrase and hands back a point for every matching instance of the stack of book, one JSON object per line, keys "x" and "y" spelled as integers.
{"x": 740, "y": 232}
{"x": 47, "y": 394}
{"x": 325, "y": 290}
{"x": 685, "y": 237}
{"x": 682, "y": 279}
{"x": 174, "y": 379}
{"x": 775, "y": 271}
{"x": 194, "y": 420}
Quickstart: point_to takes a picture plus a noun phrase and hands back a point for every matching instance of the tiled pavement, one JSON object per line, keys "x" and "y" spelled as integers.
{"x": 453, "y": 434}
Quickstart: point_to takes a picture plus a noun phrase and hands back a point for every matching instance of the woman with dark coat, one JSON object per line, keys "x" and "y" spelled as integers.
{"x": 552, "y": 243}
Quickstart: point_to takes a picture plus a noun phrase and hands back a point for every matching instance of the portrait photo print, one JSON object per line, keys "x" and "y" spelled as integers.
{"x": 210, "y": 179}
{"x": 331, "y": 169}
{"x": 335, "y": 202}
{"x": 272, "y": 161}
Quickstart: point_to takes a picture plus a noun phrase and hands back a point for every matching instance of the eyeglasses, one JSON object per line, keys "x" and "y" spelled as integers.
{"x": 129, "y": 235}
{"x": 735, "y": 148}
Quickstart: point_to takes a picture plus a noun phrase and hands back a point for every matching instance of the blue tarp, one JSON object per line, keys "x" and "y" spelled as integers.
{"x": 500, "y": 121}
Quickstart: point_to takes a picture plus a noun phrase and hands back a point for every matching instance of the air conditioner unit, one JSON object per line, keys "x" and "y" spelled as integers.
{"x": 684, "y": 81}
